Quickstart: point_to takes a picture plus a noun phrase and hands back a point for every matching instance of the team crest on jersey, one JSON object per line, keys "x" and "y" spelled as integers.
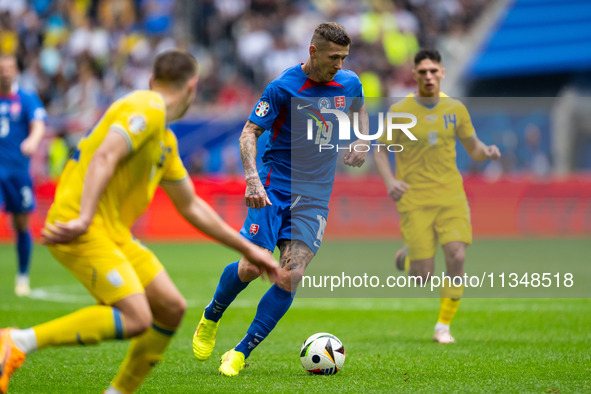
{"x": 431, "y": 118}
{"x": 15, "y": 109}
{"x": 432, "y": 137}
{"x": 262, "y": 109}
{"x": 137, "y": 123}
{"x": 115, "y": 278}
{"x": 324, "y": 103}
{"x": 254, "y": 229}
{"x": 339, "y": 102}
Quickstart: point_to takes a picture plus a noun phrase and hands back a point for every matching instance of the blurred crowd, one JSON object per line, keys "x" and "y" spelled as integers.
{"x": 80, "y": 55}
{"x": 244, "y": 44}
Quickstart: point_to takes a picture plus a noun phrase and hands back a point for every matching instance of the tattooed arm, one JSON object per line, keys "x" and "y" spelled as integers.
{"x": 255, "y": 195}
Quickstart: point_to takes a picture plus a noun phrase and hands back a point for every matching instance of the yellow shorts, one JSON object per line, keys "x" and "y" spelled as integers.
{"x": 422, "y": 228}
{"x": 110, "y": 271}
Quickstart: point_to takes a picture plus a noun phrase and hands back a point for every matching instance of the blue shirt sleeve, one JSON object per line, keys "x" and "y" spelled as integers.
{"x": 33, "y": 108}
{"x": 357, "y": 93}
{"x": 267, "y": 108}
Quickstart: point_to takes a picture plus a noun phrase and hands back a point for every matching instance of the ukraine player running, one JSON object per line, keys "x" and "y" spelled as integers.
{"x": 288, "y": 198}
{"x": 108, "y": 182}
{"x": 428, "y": 188}
{"x": 22, "y": 126}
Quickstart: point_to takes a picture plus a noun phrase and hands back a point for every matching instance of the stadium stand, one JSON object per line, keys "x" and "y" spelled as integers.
{"x": 80, "y": 55}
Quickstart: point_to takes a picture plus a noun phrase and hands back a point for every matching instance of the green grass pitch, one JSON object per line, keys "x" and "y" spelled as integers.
{"x": 503, "y": 345}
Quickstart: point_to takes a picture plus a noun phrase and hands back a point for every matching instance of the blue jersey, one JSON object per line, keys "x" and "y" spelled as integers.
{"x": 292, "y": 161}
{"x": 17, "y": 111}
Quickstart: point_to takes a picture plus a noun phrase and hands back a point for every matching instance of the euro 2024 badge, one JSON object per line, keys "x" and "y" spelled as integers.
{"x": 137, "y": 123}
{"x": 262, "y": 109}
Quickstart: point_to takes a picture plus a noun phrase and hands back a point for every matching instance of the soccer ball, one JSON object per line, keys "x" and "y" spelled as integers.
{"x": 322, "y": 354}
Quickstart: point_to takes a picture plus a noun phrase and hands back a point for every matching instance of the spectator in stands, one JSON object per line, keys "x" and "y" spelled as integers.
{"x": 537, "y": 162}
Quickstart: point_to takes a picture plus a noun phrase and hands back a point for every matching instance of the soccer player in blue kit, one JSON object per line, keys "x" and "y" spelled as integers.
{"x": 288, "y": 197}
{"x": 22, "y": 126}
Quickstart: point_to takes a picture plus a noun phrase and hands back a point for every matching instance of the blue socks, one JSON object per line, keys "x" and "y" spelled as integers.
{"x": 274, "y": 304}
{"x": 23, "y": 248}
{"x": 229, "y": 287}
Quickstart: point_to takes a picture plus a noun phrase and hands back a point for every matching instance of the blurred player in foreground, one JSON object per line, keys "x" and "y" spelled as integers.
{"x": 288, "y": 198}
{"x": 108, "y": 182}
{"x": 428, "y": 188}
{"x": 22, "y": 126}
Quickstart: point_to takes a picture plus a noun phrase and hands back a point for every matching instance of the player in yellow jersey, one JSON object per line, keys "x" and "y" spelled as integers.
{"x": 428, "y": 188}
{"x": 108, "y": 182}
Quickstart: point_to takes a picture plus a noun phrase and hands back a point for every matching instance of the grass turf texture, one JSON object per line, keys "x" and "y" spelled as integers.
{"x": 504, "y": 345}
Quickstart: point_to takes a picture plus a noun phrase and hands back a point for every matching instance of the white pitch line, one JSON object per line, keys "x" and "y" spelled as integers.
{"x": 60, "y": 294}
{"x": 72, "y": 294}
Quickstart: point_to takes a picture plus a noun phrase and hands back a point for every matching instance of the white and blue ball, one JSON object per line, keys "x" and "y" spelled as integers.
{"x": 322, "y": 354}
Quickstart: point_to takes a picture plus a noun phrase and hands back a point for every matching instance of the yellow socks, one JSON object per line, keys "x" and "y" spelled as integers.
{"x": 84, "y": 327}
{"x": 143, "y": 354}
{"x": 96, "y": 323}
{"x": 450, "y": 301}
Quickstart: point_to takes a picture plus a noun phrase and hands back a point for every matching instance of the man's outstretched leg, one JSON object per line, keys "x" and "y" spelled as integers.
{"x": 146, "y": 350}
{"x": 109, "y": 276}
{"x": 234, "y": 279}
{"x": 87, "y": 326}
{"x": 295, "y": 257}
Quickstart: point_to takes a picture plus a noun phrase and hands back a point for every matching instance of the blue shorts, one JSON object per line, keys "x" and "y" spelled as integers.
{"x": 16, "y": 192}
{"x": 290, "y": 217}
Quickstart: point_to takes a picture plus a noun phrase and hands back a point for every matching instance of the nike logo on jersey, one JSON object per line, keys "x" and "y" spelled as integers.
{"x": 303, "y": 106}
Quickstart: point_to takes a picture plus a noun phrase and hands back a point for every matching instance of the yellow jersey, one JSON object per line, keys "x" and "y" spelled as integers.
{"x": 428, "y": 165}
{"x": 153, "y": 157}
